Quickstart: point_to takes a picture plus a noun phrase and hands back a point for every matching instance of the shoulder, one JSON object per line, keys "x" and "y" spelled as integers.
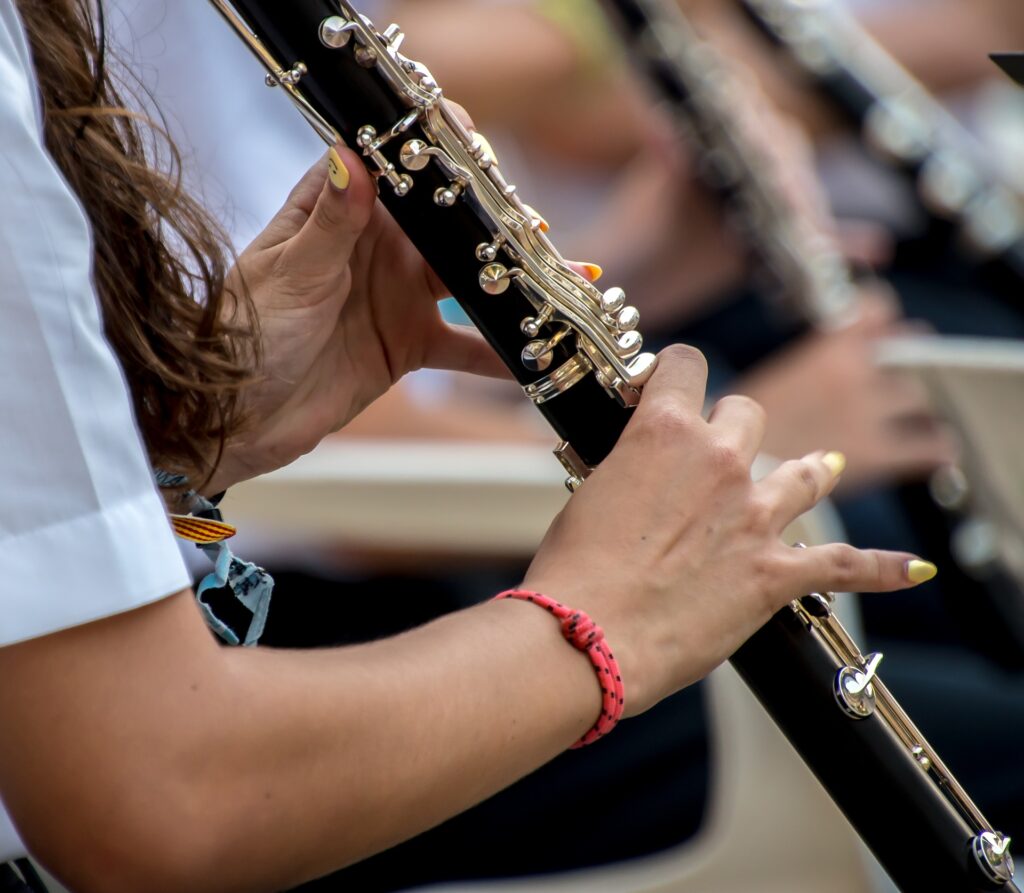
{"x": 81, "y": 523}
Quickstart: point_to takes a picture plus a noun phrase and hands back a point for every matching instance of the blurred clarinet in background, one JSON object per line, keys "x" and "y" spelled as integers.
{"x": 807, "y": 269}
{"x": 904, "y": 125}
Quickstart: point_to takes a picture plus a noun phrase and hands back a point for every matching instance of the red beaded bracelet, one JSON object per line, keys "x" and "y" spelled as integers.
{"x": 582, "y": 633}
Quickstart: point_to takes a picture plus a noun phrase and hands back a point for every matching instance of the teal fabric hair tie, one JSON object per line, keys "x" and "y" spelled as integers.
{"x": 251, "y": 585}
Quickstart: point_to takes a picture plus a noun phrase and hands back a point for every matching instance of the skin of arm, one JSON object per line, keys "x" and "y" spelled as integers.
{"x": 139, "y": 755}
{"x": 144, "y": 752}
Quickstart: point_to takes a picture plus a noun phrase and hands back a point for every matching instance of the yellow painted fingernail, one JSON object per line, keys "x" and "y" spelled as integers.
{"x": 835, "y": 462}
{"x": 593, "y": 271}
{"x": 920, "y": 571}
{"x": 337, "y": 171}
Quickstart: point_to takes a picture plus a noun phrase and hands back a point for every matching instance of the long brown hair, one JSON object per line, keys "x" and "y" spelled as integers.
{"x": 186, "y": 346}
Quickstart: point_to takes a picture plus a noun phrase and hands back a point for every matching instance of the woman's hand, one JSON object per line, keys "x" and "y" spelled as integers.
{"x": 676, "y": 552}
{"x": 346, "y": 307}
{"x": 828, "y": 385}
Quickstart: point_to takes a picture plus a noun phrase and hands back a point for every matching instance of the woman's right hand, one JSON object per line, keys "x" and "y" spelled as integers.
{"x": 676, "y": 552}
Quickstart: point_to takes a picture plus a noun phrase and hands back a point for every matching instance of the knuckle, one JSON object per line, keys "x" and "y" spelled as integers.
{"x": 664, "y": 421}
{"x": 326, "y": 218}
{"x": 760, "y": 515}
{"x": 845, "y": 560}
{"x": 806, "y": 479}
{"x": 756, "y": 409}
{"x": 768, "y": 573}
{"x": 747, "y": 403}
{"x": 728, "y": 462}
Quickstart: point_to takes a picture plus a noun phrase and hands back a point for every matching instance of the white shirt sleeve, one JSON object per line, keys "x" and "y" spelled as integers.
{"x": 83, "y": 530}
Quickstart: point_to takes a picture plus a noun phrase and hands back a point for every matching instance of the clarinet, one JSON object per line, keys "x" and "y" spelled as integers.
{"x": 806, "y": 268}
{"x": 904, "y": 126}
{"x": 577, "y": 354}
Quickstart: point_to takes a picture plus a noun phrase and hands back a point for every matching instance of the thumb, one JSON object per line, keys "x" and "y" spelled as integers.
{"x": 462, "y": 349}
{"x": 680, "y": 377}
{"x": 324, "y": 215}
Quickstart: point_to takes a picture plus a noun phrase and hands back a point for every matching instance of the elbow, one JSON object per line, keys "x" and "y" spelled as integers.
{"x": 156, "y": 869}
{"x": 160, "y": 843}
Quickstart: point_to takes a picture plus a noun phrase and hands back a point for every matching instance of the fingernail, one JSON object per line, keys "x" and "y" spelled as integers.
{"x": 337, "y": 171}
{"x": 920, "y": 571}
{"x": 593, "y": 271}
{"x": 835, "y": 462}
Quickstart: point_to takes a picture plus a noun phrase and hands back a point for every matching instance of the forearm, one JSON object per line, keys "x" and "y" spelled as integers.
{"x": 412, "y": 731}
{"x": 255, "y": 770}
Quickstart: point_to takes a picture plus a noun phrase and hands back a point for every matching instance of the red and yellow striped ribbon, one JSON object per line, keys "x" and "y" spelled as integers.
{"x": 201, "y": 530}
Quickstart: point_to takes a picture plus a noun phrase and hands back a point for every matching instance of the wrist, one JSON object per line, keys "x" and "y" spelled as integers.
{"x": 632, "y": 635}
{"x": 548, "y": 656}
{"x": 240, "y": 461}
{"x": 581, "y": 632}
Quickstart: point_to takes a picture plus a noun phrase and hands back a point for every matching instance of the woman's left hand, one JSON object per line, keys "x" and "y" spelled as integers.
{"x": 346, "y": 307}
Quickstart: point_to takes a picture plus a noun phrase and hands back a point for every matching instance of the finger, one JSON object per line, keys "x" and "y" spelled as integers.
{"x": 589, "y": 271}
{"x": 296, "y": 209}
{"x": 680, "y": 377}
{"x": 839, "y": 567}
{"x": 461, "y": 115}
{"x": 798, "y": 485}
{"x": 739, "y": 423}
{"x": 463, "y": 349}
{"x": 437, "y": 290}
{"x": 328, "y": 211}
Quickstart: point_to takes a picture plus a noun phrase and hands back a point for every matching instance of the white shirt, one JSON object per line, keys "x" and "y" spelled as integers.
{"x": 83, "y": 531}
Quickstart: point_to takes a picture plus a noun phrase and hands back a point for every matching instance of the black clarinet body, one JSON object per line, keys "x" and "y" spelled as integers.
{"x": 577, "y": 354}
{"x": 906, "y": 127}
{"x": 887, "y": 784}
